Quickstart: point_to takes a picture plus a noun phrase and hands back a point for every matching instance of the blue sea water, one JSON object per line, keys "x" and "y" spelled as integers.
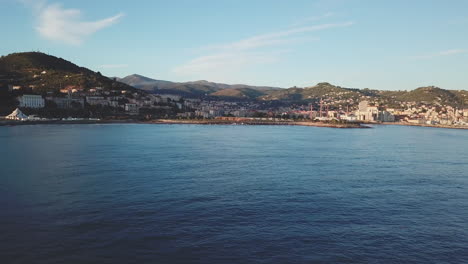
{"x": 232, "y": 194}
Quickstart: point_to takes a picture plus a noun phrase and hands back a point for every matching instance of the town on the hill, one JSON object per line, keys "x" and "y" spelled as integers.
{"x": 39, "y": 87}
{"x": 103, "y": 104}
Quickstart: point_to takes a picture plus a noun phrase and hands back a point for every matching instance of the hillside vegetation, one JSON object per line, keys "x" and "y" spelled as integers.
{"x": 47, "y": 73}
{"x": 197, "y": 89}
{"x": 423, "y": 95}
{"x": 239, "y": 93}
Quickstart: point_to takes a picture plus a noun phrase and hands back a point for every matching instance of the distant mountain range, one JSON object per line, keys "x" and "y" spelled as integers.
{"x": 197, "y": 88}
{"x": 429, "y": 95}
{"x": 47, "y": 73}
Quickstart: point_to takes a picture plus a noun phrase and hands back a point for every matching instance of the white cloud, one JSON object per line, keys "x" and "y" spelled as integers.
{"x": 442, "y": 53}
{"x": 113, "y": 66}
{"x": 238, "y": 55}
{"x": 54, "y": 22}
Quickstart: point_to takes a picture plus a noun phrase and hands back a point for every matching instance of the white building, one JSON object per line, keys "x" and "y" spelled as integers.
{"x": 350, "y": 117}
{"x": 132, "y": 108}
{"x": 366, "y": 112}
{"x": 31, "y": 101}
{"x": 67, "y": 102}
{"x": 17, "y": 115}
{"x": 371, "y": 114}
{"x": 97, "y": 100}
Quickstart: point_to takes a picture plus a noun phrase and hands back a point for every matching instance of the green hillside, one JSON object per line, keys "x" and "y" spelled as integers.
{"x": 431, "y": 95}
{"x": 240, "y": 93}
{"x": 424, "y": 95}
{"x": 189, "y": 90}
{"x": 311, "y": 93}
{"x": 48, "y": 73}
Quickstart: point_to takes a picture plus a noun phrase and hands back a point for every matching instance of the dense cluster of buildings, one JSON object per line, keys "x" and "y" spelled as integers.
{"x": 71, "y": 97}
{"x": 131, "y": 103}
{"x": 366, "y": 111}
{"x": 433, "y": 115}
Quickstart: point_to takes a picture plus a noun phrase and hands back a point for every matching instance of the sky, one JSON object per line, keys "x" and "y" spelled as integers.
{"x": 376, "y": 44}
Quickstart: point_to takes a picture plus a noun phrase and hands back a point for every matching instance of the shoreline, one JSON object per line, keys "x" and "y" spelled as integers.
{"x": 421, "y": 125}
{"x": 219, "y": 122}
{"x": 181, "y": 122}
{"x": 256, "y": 123}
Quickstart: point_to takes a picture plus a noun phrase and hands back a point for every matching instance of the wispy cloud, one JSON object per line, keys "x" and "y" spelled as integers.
{"x": 113, "y": 66}
{"x": 224, "y": 63}
{"x": 260, "y": 49}
{"x": 54, "y": 22}
{"x": 275, "y": 38}
{"x": 452, "y": 52}
{"x": 312, "y": 19}
{"x": 443, "y": 53}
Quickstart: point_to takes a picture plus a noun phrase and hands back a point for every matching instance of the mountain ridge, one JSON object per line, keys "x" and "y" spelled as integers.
{"x": 48, "y": 73}
{"x": 198, "y": 88}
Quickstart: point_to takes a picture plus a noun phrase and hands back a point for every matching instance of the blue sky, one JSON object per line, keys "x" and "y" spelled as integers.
{"x": 392, "y": 45}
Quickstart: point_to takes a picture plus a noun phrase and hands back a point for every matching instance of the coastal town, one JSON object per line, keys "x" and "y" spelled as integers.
{"x": 103, "y": 104}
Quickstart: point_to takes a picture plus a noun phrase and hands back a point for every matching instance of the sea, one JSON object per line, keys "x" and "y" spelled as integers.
{"x": 142, "y": 193}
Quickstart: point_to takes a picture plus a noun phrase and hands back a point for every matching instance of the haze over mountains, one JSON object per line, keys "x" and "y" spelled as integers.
{"x": 47, "y": 73}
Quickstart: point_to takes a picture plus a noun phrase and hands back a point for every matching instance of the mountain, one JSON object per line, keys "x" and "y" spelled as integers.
{"x": 431, "y": 95}
{"x": 326, "y": 91}
{"x": 196, "y": 89}
{"x": 344, "y": 96}
{"x": 313, "y": 92}
{"x": 239, "y": 93}
{"x": 145, "y": 83}
{"x": 48, "y": 73}
{"x": 223, "y": 86}
{"x": 187, "y": 90}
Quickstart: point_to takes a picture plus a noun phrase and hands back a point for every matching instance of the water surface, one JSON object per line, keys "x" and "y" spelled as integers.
{"x": 232, "y": 194}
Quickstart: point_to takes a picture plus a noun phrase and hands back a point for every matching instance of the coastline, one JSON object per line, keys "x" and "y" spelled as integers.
{"x": 219, "y": 122}
{"x": 64, "y": 122}
{"x": 256, "y": 122}
{"x": 179, "y": 122}
{"x": 421, "y": 125}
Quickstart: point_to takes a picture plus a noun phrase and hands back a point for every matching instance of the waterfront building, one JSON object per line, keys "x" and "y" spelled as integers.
{"x": 385, "y": 116}
{"x": 366, "y": 112}
{"x": 372, "y": 113}
{"x": 31, "y": 101}
{"x": 350, "y": 117}
{"x": 17, "y": 115}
